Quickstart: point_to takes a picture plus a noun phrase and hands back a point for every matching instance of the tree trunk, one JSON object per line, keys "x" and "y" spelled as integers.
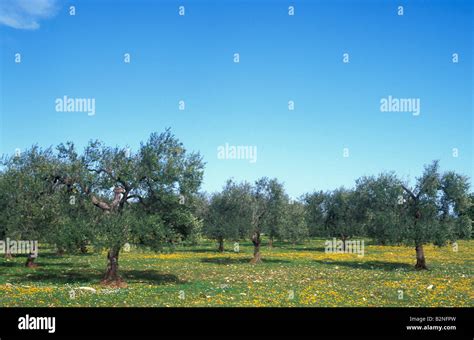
{"x": 420, "y": 257}
{"x": 420, "y": 253}
{"x": 60, "y": 251}
{"x": 30, "y": 261}
{"x": 256, "y": 250}
{"x": 8, "y": 255}
{"x": 343, "y": 239}
{"x": 111, "y": 275}
{"x": 221, "y": 244}
{"x": 270, "y": 242}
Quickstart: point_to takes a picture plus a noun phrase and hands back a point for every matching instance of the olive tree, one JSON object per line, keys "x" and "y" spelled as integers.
{"x": 433, "y": 206}
{"x": 295, "y": 228}
{"x": 114, "y": 195}
{"x": 227, "y": 216}
{"x": 380, "y": 203}
{"x": 342, "y": 215}
{"x": 275, "y": 220}
{"x": 28, "y": 206}
{"x": 316, "y": 212}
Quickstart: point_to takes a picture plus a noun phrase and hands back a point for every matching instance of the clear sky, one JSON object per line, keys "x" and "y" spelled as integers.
{"x": 282, "y": 58}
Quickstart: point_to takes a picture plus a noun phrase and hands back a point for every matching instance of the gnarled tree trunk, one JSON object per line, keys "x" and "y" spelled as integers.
{"x": 221, "y": 244}
{"x": 256, "y": 250}
{"x": 111, "y": 274}
{"x": 420, "y": 257}
{"x": 420, "y": 253}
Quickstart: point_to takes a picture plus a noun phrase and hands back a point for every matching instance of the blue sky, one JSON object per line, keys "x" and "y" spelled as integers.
{"x": 282, "y": 58}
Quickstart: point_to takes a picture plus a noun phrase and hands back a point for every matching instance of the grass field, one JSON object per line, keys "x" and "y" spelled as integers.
{"x": 301, "y": 275}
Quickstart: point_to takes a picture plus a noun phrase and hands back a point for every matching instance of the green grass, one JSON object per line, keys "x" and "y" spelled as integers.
{"x": 291, "y": 275}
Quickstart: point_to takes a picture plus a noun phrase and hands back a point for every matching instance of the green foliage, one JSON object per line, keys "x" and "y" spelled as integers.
{"x": 228, "y": 216}
{"x": 295, "y": 228}
{"x": 275, "y": 220}
{"x": 380, "y": 204}
{"x": 106, "y": 196}
{"x": 165, "y": 182}
{"x": 437, "y": 208}
{"x": 28, "y": 206}
{"x": 342, "y": 214}
{"x": 316, "y": 212}
{"x": 241, "y": 209}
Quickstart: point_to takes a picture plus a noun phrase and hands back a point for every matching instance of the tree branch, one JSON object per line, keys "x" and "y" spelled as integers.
{"x": 100, "y": 204}
{"x": 409, "y": 192}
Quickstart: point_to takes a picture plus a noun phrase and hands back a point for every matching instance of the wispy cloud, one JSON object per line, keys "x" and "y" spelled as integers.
{"x": 26, "y": 14}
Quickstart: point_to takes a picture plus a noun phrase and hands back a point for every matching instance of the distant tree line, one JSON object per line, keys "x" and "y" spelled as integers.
{"x": 438, "y": 209}
{"x": 106, "y": 197}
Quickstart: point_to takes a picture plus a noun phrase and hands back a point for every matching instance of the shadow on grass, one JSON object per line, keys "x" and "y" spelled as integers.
{"x": 63, "y": 264}
{"x": 54, "y": 255}
{"x": 372, "y": 265}
{"x": 230, "y": 260}
{"x": 151, "y": 276}
{"x": 42, "y": 264}
{"x": 92, "y": 277}
{"x": 58, "y": 277}
{"x": 320, "y": 249}
{"x": 200, "y": 250}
